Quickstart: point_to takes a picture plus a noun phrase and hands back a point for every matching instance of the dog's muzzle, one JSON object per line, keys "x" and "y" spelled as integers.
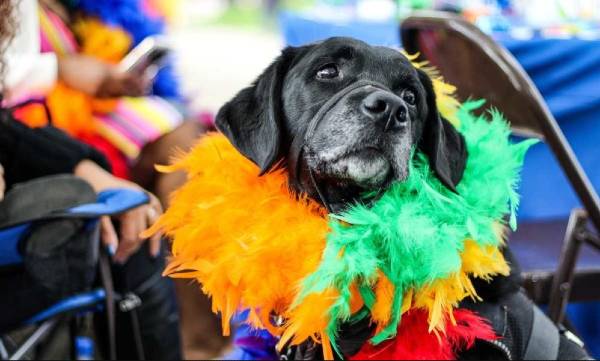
{"x": 300, "y": 145}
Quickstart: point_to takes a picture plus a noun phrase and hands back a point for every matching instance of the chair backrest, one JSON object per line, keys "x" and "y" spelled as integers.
{"x": 481, "y": 68}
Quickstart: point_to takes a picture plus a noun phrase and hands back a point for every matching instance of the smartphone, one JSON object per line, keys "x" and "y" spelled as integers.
{"x": 151, "y": 53}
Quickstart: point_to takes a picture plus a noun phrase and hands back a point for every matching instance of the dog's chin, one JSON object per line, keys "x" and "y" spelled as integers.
{"x": 368, "y": 169}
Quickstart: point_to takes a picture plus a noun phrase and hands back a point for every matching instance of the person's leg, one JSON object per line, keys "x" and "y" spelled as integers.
{"x": 156, "y": 319}
{"x": 200, "y": 328}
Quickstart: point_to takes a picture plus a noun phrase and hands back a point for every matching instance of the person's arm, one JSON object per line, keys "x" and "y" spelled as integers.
{"x": 133, "y": 222}
{"x": 29, "y": 153}
{"x": 28, "y": 70}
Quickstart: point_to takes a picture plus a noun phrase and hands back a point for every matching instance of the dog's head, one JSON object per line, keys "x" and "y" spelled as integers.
{"x": 344, "y": 117}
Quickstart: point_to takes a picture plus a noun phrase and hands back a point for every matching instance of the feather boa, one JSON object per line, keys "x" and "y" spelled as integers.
{"x": 451, "y": 235}
{"x": 253, "y": 245}
{"x": 415, "y": 342}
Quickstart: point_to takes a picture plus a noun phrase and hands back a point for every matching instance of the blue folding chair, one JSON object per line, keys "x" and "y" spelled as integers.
{"x": 108, "y": 203}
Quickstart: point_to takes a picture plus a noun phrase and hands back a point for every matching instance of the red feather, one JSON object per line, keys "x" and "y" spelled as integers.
{"x": 415, "y": 342}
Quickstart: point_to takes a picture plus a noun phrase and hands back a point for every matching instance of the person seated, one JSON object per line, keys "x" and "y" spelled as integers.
{"x": 72, "y": 65}
{"x": 27, "y": 154}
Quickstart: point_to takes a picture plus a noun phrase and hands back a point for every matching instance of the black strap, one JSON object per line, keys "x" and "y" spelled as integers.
{"x": 107, "y": 283}
{"x": 137, "y": 335}
{"x": 544, "y": 340}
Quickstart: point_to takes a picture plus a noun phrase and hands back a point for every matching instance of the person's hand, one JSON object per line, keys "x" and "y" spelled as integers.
{"x": 117, "y": 84}
{"x": 132, "y": 223}
{"x": 100, "y": 79}
{"x": 2, "y": 183}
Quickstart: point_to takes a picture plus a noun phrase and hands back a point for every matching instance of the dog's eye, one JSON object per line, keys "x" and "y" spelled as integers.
{"x": 409, "y": 96}
{"x": 328, "y": 71}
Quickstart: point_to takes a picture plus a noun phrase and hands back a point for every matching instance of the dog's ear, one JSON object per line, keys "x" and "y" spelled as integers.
{"x": 252, "y": 120}
{"x": 444, "y": 145}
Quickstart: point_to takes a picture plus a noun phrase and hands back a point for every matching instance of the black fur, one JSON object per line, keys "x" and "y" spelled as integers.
{"x": 444, "y": 147}
{"x": 265, "y": 119}
{"x": 252, "y": 120}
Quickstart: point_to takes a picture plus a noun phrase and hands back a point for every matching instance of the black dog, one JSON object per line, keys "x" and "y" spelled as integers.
{"x": 344, "y": 117}
{"x": 381, "y": 107}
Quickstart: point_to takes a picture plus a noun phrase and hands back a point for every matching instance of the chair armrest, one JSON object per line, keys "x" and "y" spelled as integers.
{"x": 110, "y": 202}
{"x": 9, "y": 239}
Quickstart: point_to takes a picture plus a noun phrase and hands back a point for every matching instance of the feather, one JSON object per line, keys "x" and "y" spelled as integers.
{"x": 415, "y": 342}
{"x": 226, "y": 225}
{"x": 102, "y": 41}
{"x": 253, "y": 245}
{"x": 427, "y": 255}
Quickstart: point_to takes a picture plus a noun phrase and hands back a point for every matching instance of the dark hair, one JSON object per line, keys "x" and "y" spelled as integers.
{"x": 7, "y": 32}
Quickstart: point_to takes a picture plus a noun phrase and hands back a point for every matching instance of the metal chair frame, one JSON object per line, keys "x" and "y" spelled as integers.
{"x": 533, "y": 118}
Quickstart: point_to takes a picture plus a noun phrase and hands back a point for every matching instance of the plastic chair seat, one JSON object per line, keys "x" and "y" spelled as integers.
{"x": 13, "y": 231}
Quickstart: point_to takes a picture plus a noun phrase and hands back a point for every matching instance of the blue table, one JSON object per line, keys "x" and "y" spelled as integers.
{"x": 567, "y": 73}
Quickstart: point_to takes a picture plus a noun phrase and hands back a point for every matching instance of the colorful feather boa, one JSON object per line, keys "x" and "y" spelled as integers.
{"x": 409, "y": 256}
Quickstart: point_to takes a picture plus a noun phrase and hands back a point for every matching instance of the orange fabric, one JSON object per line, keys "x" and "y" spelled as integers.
{"x": 71, "y": 111}
{"x": 34, "y": 115}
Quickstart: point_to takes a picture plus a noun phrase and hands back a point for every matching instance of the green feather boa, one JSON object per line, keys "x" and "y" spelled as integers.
{"x": 415, "y": 232}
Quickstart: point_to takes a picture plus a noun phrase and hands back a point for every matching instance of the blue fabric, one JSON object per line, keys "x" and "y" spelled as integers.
{"x": 249, "y": 343}
{"x": 9, "y": 239}
{"x": 298, "y": 30}
{"x": 566, "y": 73}
{"x": 585, "y": 316}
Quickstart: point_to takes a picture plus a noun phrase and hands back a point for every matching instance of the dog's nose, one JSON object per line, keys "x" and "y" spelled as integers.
{"x": 386, "y": 109}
